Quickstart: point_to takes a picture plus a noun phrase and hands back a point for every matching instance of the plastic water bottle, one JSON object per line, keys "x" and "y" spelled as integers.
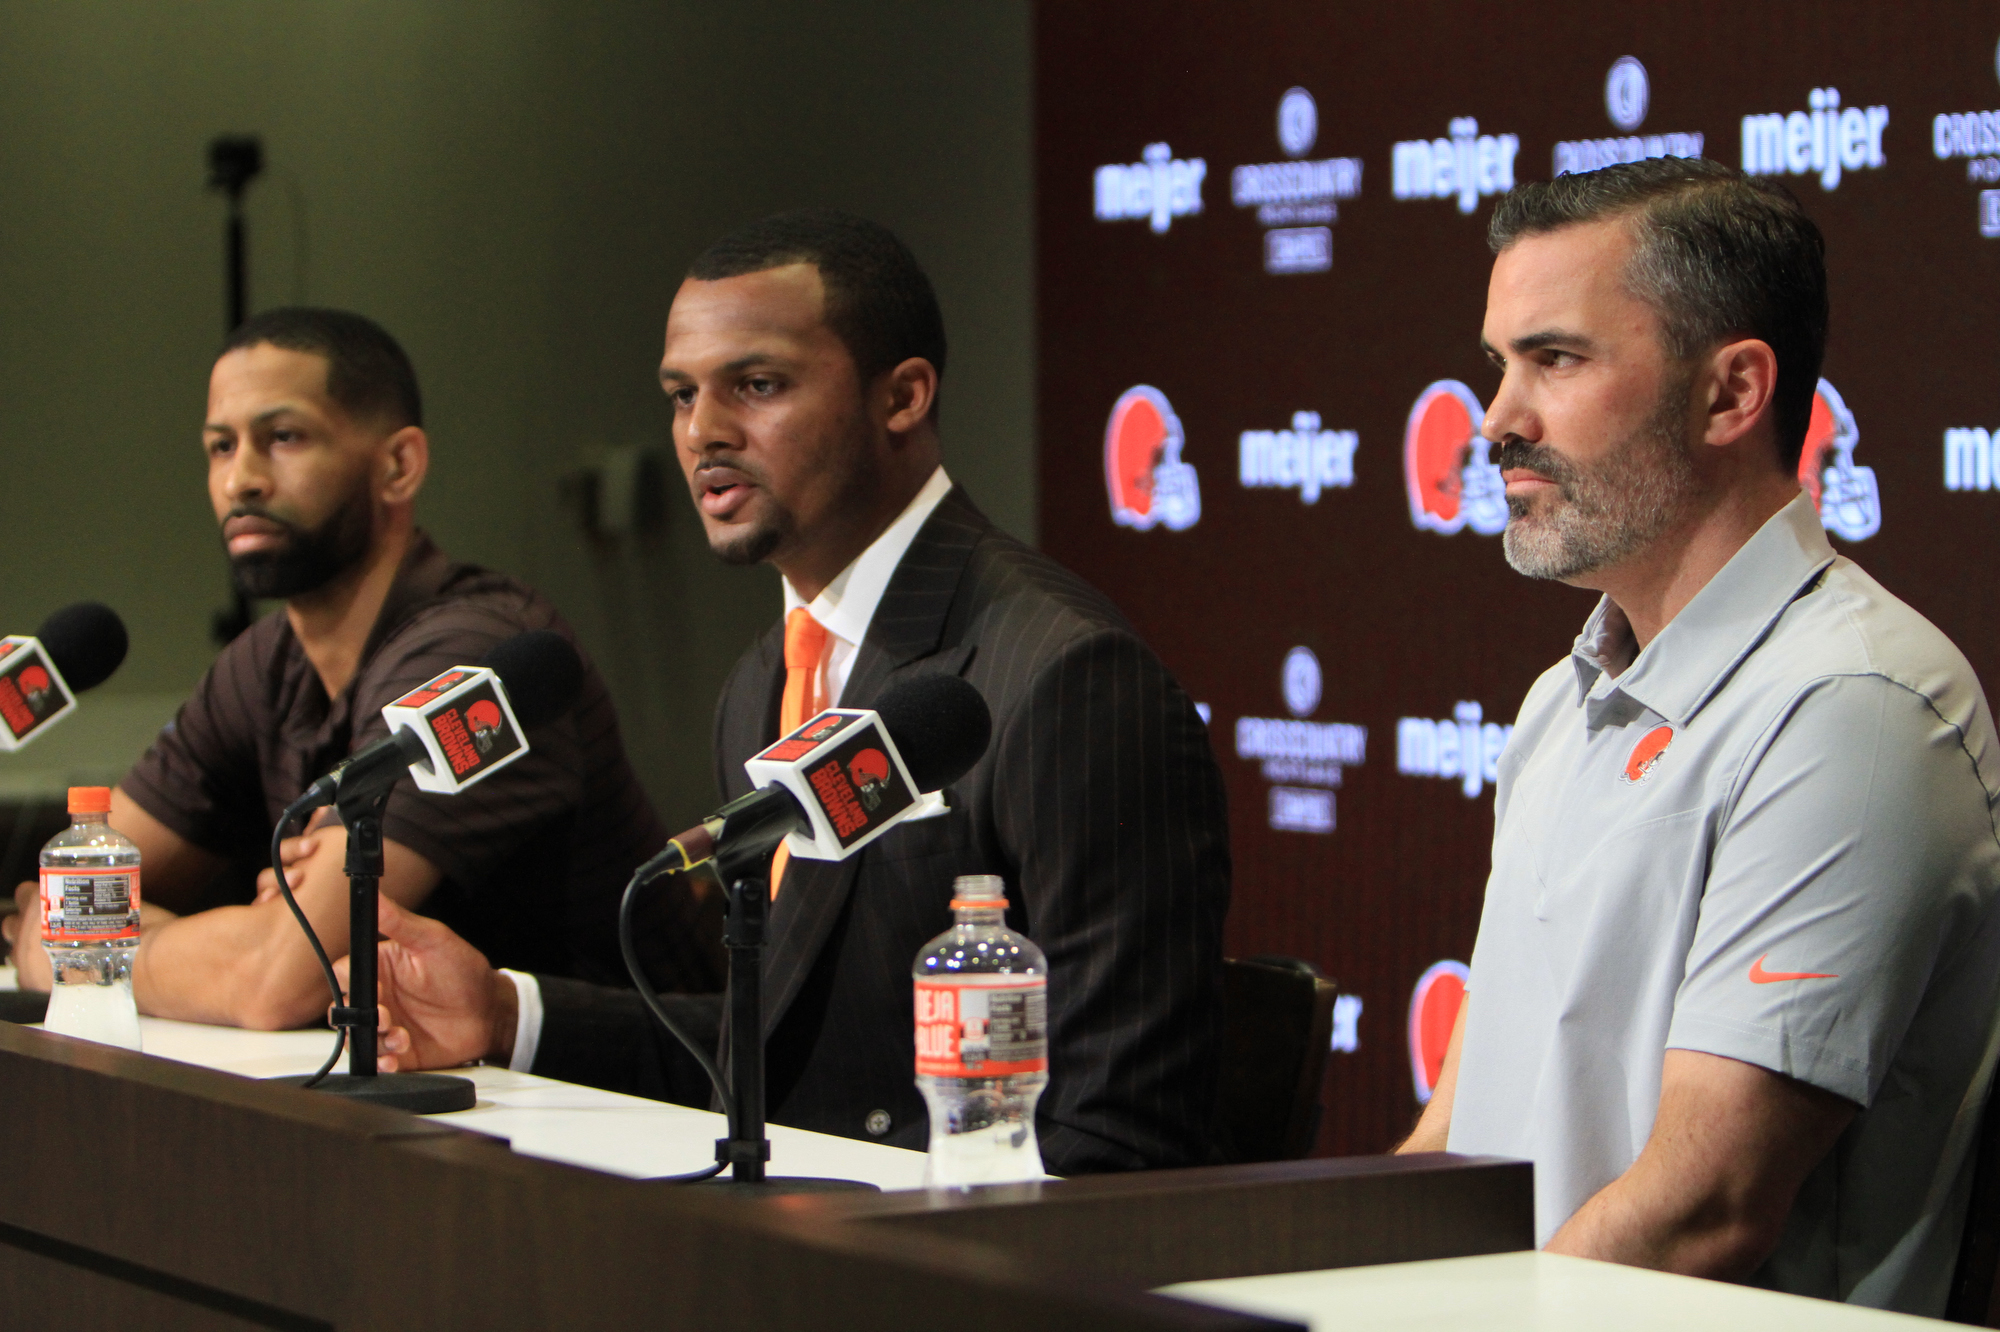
{"x": 90, "y": 922}
{"x": 982, "y": 1042}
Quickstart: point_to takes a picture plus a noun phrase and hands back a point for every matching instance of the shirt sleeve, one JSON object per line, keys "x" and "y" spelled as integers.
{"x": 466, "y": 835}
{"x": 1854, "y": 859}
{"x": 200, "y": 776}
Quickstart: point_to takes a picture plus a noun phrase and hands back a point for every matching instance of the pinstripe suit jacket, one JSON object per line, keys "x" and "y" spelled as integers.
{"x": 1100, "y": 804}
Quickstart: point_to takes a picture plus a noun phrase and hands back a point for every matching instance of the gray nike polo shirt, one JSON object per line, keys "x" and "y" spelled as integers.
{"x": 1770, "y": 837}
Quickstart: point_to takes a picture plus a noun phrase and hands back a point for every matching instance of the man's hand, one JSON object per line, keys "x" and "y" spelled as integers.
{"x": 291, "y": 852}
{"x": 1710, "y": 1193}
{"x": 442, "y": 1004}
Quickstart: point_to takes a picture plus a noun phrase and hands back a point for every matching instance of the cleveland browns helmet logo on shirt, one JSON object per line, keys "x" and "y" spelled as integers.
{"x": 1646, "y": 753}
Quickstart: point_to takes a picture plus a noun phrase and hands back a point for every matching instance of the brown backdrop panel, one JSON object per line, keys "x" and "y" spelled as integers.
{"x": 1408, "y": 623}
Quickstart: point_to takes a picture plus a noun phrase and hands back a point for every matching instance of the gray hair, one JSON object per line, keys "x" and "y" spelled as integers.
{"x": 1720, "y": 255}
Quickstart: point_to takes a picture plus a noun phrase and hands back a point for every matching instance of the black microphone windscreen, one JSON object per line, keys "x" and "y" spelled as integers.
{"x": 940, "y": 725}
{"x": 86, "y": 641}
{"x": 541, "y": 673}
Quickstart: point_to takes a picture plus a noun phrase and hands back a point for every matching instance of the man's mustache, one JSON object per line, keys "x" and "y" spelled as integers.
{"x": 292, "y": 530}
{"x": 1516, "y": 454}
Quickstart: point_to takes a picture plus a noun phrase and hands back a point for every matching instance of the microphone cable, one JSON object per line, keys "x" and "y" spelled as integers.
{"x": 339, "y": 1015}
{"x": 641, "y": 877}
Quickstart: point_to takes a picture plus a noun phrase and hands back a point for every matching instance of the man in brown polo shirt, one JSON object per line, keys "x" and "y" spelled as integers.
{"x": 316, "y": 452}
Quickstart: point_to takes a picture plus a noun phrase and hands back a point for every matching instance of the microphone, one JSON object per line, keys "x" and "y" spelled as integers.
{"x": 77, "y": 648}
{"x": 844, "y": 778}
{"x": 463, "y": 726}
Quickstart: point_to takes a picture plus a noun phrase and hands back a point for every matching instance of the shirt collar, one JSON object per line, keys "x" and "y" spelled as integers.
{"x": 847, "y": 604}
{"x": 1690, "y": 659}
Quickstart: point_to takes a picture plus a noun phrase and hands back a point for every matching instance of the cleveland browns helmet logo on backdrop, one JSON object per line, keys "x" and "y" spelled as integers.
{"x": 1451, "y": 482}
{"x": 1143, "y": 471}
{"x": 1850, "y": 504}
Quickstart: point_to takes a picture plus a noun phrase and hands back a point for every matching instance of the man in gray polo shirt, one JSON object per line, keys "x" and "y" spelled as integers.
{"x": 1737, "y": 976}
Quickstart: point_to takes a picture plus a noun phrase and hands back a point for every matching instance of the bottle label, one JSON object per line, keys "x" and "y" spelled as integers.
{"x": 90, "y": 905}
{"x": 981, "y": 1027}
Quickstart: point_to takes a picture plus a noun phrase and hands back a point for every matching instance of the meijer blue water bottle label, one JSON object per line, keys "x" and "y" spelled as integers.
{"x": 982, "y": 1027}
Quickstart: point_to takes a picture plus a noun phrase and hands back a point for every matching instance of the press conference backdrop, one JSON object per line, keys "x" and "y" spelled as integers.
{"x": 1262, "y": 270}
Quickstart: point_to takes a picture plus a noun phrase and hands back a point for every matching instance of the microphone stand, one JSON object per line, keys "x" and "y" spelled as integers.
{"x": 419, "y": 1093}
{"x": 747, "y": 1147}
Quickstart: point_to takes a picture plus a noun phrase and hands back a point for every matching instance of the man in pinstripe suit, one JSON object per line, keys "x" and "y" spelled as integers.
{"x": 803, "y": 356}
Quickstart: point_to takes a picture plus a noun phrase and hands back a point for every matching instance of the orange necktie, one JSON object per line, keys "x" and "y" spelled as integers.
{"x": 805, "y": 690}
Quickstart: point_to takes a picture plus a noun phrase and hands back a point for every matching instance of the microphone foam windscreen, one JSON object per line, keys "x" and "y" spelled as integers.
{"x": 940, "y": 725}
{"x": 541, "y": 673}
{"x": 86, "y": 641}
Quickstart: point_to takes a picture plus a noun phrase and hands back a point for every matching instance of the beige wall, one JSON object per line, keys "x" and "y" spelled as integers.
{"x": 512, "y": 188}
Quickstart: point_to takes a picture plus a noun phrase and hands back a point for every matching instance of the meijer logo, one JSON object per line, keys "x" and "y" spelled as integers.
{"x": 1823, "y": 141}
{"x": 1159, "y": 188}
{"x": 1305, "y": 458}
{"x": 1468, "y": 166}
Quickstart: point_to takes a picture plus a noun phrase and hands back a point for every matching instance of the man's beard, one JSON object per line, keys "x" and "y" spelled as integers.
{"x": 755, "y": 545}
{"x": 310, "y": 558}
{"x": 1601, "y": 515}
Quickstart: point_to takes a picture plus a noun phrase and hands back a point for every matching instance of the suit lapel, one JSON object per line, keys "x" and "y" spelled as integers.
{"x": 908, "y": 626}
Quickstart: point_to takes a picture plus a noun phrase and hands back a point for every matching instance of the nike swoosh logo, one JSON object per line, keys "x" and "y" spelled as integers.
{"x": 1759, "y": 976}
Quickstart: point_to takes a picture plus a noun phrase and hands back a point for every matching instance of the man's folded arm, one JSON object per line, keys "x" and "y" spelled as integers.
{"x": 251, "y": 966}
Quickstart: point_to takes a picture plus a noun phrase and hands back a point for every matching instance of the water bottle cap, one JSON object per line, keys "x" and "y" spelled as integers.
{"x": 90, "y": 800}
{"x": 978, "y": 890}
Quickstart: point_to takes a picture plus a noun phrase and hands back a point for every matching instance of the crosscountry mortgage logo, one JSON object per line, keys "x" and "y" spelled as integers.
{"x": 1302, "y": 681}
{"x": 1450, "y": 482}
{"x": 1290, "y": 195}
{"x": 1434, "y": 1005}
{"x": 1143, "y": 471}
{"x": 1627, "y": 94}
{"x": 1850, "y": 503}
{"x": 1974, "y": 136}
{"x": 1627, "y": 91}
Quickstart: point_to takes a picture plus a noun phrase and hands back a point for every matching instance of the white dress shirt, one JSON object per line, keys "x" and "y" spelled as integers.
{"x": 845, "y": 608}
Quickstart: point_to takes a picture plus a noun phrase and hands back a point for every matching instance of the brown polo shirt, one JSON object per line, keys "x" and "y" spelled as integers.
{"x": 533, "y": 858}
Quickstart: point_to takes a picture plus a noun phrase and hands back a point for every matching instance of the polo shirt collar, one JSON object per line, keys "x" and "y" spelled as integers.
{"x": 1682, "y": 668}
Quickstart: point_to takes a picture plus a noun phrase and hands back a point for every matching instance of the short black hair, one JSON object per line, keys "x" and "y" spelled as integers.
{"x": 878, "y": 300}
{"x": 1720, "y": 254}
{"x": 367, "y": 371}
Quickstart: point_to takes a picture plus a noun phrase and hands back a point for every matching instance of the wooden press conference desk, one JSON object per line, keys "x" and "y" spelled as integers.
{"x": 164, "y": 1192}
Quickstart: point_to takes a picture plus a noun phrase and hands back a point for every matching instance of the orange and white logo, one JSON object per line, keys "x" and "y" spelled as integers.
{"x": 1639, "y": 766}
{"x": 1143, "y": 472}
{"x": 1433, "y": 1013}
{"x": 1849, "y": 502}
{"x": 1451, "y": 482}
{"x": 1759, "y": 976}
